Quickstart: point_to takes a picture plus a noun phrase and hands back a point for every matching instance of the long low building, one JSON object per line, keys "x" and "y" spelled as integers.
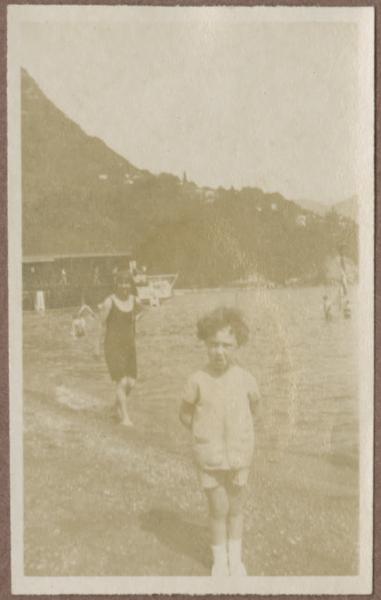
{"x": 69, "y": 279}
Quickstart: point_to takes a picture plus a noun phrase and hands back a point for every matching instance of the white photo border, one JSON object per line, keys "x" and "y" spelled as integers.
{"x": 361, "y": 584}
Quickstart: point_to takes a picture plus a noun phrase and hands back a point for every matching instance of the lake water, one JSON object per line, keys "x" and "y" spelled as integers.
{"x": 305, "y": 476}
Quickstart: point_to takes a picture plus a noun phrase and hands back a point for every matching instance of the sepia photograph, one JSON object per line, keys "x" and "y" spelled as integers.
{"x": 191, "y": 265}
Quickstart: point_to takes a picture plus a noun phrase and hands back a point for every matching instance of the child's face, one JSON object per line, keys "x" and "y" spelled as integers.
{"x": 221, "y": 348}
{"x": 124, "y": 289}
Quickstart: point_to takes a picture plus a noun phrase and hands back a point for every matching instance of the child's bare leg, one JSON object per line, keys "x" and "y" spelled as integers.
{"x": 218, "y": 512}
{"x": 236, "y": 495}
{"x": 123, "y": 389}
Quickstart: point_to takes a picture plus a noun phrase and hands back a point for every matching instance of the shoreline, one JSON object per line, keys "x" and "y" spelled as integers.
{"x": 248, "y": 288}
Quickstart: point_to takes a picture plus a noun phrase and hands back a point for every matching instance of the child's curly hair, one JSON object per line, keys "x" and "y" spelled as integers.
{"x": 220, "y": 318}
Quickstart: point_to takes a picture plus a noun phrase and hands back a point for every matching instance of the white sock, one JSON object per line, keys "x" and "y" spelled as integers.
{"x": 219, "y": 554}
{"x": 234, "y": 550}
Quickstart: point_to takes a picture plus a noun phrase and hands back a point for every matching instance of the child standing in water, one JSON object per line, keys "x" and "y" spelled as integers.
{"x": 217, "y": 407}
{"x": 118, "y": 314}
{"x": 79, "y": 323}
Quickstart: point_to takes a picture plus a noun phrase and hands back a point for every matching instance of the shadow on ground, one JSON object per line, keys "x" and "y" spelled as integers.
{"x": 179, "y": 534}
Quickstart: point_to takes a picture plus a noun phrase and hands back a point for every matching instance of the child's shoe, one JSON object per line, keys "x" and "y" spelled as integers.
{"x": 220, "y": 569}
{"x": 220, "y": 566}
{"x": 238, "y": 569}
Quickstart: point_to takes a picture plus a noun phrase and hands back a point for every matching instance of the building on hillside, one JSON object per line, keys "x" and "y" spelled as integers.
{"x": 301, "y": 220}
{"x": 209, "y": 195}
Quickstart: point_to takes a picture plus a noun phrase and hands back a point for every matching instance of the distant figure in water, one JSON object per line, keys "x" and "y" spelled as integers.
{"x": 343, "y": 281}
{"x": 343, "y": 277}
{"x": 79, "y": 324}
{"x": 340, "y": 303}
{"x": 347, "y": 309}
{"x": 327, "y": 307}
{"x": 218, "y": 406}
{"x": 118, "y": 314}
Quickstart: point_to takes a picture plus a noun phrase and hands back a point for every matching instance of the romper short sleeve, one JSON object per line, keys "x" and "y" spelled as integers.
{"x": 252, "y": 386}
{"x": 191, "y": 391}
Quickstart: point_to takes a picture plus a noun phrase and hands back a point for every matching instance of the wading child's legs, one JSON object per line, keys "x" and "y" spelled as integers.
{"x": 236, "y": 497}
{"x": 218, "y": 513}
{"x": 123, "y": 389}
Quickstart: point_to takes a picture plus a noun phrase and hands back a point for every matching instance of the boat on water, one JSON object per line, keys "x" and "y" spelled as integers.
{"x": 63, "y": 281}
{"x": 156, "y": 288}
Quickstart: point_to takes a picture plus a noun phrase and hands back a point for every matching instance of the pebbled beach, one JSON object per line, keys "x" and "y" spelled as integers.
{"x": 104, "y": 500}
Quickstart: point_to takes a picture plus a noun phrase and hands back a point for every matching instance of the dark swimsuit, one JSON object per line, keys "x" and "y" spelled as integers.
{"x": 119, "y": 343}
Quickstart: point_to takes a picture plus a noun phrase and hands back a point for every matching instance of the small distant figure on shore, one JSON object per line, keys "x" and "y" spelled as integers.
{"x": 39, "y": 302}
{"x": 63, "y": 279}
{"x": 218, "y": 405}
{"x": 327, "y": 307}
{"x": 79, "y": 323}
{"x": 118, "y": 313}
{"x": 96, "y": 276}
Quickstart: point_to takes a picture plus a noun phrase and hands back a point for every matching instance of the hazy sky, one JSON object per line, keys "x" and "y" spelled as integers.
{"x": 272, "y": 105}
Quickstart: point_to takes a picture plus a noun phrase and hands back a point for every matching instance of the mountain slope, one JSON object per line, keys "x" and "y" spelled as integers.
{"x": 80, "y": 196}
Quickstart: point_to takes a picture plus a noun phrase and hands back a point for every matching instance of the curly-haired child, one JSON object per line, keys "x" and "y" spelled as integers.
{"x": 218, "y": 403}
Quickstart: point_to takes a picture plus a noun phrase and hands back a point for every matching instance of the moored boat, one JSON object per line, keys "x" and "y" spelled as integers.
{"x": 156, "y": 288}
